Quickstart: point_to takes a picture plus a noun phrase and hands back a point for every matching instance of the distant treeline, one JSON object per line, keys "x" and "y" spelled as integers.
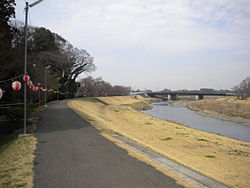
{"x": 97, "y": 87}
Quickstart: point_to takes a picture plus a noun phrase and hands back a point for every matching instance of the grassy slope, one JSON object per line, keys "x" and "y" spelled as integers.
{"x": 221, "y": 158}
{"x": 16, "y": 163}
{"x": 226, "y": 106}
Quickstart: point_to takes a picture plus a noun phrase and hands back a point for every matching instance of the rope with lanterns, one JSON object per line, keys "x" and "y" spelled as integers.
{"x": 16, "y": 85}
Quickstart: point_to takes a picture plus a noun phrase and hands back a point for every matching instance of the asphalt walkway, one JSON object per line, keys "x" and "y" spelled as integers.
{"x": 71, "y": 154}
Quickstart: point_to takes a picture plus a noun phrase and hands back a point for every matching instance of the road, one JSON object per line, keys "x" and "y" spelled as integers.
{"x": 72, "y": 154}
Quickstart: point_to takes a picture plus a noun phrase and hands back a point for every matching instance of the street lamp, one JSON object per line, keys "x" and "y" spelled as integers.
{"x": 27, "y": 6}
{"x": 45, "y": 83}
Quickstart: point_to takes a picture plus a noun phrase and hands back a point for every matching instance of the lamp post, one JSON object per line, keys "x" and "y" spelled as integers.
{"x": 45, "y": 83}
{"x": 27, "y": 6}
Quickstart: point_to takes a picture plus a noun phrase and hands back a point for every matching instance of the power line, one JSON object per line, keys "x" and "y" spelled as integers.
{"x": 11, "y": 79}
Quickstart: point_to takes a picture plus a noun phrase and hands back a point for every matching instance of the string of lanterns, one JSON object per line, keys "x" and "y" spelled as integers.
{"x": 1, "y": 93}
{"x": 16, "y": 86}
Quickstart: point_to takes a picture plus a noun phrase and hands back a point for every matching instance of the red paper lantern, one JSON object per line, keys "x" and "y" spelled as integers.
{"x": 29, "y": 83}
{"x": 1, "y": 93}
{"x": 35, "y": 89}
{"x": 26, "y": 78}
{"x": 16, "y": 86}
{"x": 31, "y": 87}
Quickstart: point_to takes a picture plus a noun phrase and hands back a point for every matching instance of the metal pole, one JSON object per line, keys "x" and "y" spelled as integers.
{"x": 39, "y": 96}
{"x": 25, "y": 66}
{"x": 45, "y": 80}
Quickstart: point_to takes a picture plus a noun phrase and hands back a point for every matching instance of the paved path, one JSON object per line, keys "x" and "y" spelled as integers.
{"x": 71, "y": 154}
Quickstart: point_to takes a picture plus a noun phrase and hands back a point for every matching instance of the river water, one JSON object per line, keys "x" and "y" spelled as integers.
{"x": 165, "y": 111}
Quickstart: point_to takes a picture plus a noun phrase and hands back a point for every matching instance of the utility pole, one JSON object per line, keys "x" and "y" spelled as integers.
{"x": 45, "y": 83}
{"x": 25, "y": 64}
{"x": 25, "y": 68}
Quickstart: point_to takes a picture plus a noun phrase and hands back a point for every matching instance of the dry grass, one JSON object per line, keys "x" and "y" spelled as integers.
{"x": 136, "y": 102}
{"x": 227, "y": 106}
{"x": 218, "y": 157}
{"x": 121, "y": 100}
{"x": 148, "y": 161}
{"x": 16, "y": 163}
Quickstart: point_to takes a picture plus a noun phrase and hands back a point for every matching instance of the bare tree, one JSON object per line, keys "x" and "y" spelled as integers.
{"x": 243, "y": 89}
{"x": 97, "y": 87}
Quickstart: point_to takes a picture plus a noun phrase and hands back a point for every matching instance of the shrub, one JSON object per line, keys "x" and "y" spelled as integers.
{"x": 15, "y": 113}
{"x": 31, "y": 107}
{"x": 9, "y": 127}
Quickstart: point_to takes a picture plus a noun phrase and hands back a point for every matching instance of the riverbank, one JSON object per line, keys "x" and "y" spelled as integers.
{"x": 221, "y": 158}
{"x": 230, "y": 108}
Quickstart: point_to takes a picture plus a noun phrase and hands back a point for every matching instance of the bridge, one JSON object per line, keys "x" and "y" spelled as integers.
{"x": 172, "y": 95}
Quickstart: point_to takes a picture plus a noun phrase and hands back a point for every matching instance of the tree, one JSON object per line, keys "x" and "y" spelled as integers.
{"x": 44, "y": 48}
{"x": 243, "y": 89}
{"x": 66, "y": 62}
{"x": 74, "y": 62}
{"x": 97, "y": 87}
{"x": 7, "y": 11}
{"x": 43, "y": 40}
{"x": 9, "y": 57}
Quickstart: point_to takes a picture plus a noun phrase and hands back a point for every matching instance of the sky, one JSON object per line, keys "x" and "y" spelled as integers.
{"x": 155, "y": 44}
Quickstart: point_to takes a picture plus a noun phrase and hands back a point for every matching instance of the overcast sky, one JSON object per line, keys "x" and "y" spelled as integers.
{"x": 155, "y": 44}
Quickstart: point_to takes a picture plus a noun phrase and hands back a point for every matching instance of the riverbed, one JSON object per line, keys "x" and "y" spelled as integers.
{"x": 183, "y": 115}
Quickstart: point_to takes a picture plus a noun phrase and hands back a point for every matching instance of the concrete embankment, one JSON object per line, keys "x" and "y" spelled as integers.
{"x": 223, "y": 159}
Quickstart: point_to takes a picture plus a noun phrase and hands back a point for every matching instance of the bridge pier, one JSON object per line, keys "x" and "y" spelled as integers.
{"x": 172, "y": 97}
{"x": 199, "y": 97}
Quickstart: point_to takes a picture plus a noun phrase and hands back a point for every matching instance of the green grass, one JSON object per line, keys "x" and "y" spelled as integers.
{"x": 118, "y": 134}
{"x": 202, "y": 140}
{"x": 210, "y": 156}
{"x": 167, "y": 138}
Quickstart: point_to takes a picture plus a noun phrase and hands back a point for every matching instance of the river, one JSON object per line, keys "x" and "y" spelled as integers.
{"x": 165, "y": 111}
